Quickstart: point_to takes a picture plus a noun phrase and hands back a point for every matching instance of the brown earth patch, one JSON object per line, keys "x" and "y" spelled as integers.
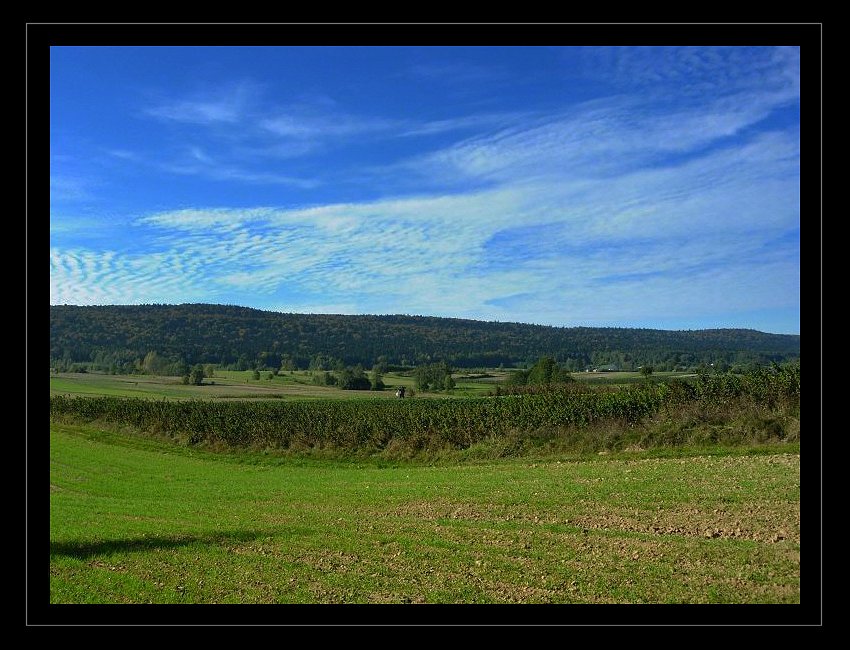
{"x": 759, "y": 522}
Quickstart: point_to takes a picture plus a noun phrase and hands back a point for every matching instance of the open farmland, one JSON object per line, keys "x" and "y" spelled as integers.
{"x": 723, "y": 408}
{"x": 657, "y": 492}
{"x": 430, "y": 321}
{"x": 231, "y": 384}
{"x": 134, "y": 520}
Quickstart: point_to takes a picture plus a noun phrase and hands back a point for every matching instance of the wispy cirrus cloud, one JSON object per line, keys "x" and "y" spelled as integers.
{"x": 198, "y": 163}
{"x": 124, "y": 154}
{"x": 241, "y": 113}
{"x": 242, "y": 127}
{"x": 307, "y": 125}
{"x": 84, "y": 277}
{"x": 689, "y": 71}
{"x": 599, "y": 139}
{"x": 567, "y": 251}
{"x": 228, "y": 105}
{"x": 197, "y": 112}
{"x": 621, "y": 210}
{"x": 467, "y": 122}
{"x": 332, "y": 125}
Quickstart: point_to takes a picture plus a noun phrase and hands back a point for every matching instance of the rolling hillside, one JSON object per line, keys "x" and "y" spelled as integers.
{"x": 201, "y": 333}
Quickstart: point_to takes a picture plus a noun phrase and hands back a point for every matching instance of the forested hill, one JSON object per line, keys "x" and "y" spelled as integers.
{"x": 119, "y": 336}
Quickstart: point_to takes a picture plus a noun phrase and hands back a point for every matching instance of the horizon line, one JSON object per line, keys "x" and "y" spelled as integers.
{"x": 474, "y": 320}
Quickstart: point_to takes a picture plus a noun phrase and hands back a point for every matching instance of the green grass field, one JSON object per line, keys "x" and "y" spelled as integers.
{"x": 135, "y": 520}
{"x": 230, "y": 384}
{"x": 622, "y": 377}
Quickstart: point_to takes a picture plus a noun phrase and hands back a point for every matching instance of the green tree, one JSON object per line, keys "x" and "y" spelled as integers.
{"x": 198, "y": 374}
{"x": 180, "y": 368}
{"x": 541, "y": 372}
{"x": 153, "y": 364}
{"x": 324, "y": 379}
{"x": 517, "y": 378}
{"x": 256, "y": 374}
{"x": 547, "y": 371}
{"x": 353, "y": 379}
{"x": 432, "y": 376}
{"x": 646, "y": 370}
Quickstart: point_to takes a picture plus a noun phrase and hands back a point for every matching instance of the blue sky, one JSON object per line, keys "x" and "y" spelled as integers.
{"x": 619, "y": 186}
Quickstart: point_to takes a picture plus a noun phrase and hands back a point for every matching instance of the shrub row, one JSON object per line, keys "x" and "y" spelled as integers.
{"x": 457, "y": 423}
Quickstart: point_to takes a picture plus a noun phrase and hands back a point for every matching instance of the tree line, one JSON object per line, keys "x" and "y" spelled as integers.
{"x": 169, "y": 339}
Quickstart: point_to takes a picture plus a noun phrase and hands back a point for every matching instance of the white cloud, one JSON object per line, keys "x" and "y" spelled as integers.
{"x": 691, "y": 71}
{"x": 124, "y": 154}
{"x": 591, "y": 242}
{"x": 85, "y": 277}
{"x": 610, "y": 212}
{"x": 197, "y": 112}
{"x": 203, "y": 219}
{"x": 599, "y": 139}
{"x": 225, "y": 105}
{"x": 476, "y": 121}
{"x": 200, "y": 164}
{"x": 326, "y": 126}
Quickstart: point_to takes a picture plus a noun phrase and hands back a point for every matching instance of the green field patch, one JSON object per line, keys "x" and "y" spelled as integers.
{"x": 231, "y": 384}
{"x": 137, "y": 520}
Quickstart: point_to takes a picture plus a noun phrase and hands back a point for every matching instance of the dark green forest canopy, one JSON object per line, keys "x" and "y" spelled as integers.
{"x": 224, "y": 334}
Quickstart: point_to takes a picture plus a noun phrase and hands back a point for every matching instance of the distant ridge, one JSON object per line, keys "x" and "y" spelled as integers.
{"x": 207, "y": 333}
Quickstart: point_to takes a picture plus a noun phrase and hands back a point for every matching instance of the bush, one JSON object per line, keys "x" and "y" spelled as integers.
{"x": 198, "y": 375}
{"x": 324, "y": 379}
{"x": 377, "y": 380}
{"x": 432, "y": 376}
